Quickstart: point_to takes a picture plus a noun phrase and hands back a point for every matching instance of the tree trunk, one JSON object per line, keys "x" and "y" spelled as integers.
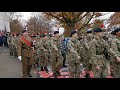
{"x": 68, "y": 30}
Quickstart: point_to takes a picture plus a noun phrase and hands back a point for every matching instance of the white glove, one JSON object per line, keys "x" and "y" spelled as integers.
{"x": 20, "y": 58}
{"x": 118, "y": 59}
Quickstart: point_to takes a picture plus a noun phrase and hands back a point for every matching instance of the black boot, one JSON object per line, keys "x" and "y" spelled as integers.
{"x": 64, "y": 66}
{"x": 37, "y": 64}
{"x": 87, "y": 76}
{"x": 11, "y": 54}
{"x": 58, "y": 73}
{"x": 42, "y": 69}
{"x": 45, "y": 68}
{"x": 34, "y": 65}
{"x": 29, "y": 75}
{"x": 55, "y": 75}
{"x": 29, "y": 69}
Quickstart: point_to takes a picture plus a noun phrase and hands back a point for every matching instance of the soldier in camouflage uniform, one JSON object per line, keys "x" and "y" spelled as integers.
{"x": 85, "y": 54}
{"x": 108, "y": 38}
{"x": 115, "y": 45}
{"x": 49, "y": 41}
{"x": 63, "y": 49}
{"x": 36, "y": 54}
{"x": 45, "y": 53}
{"x": 15, "y": 43}
{"x": 36, "y": 47}
{"x": 10, "y": 44}
{"x": 111, "y": 58}
{"x": 97, "y": 48}
{"x": 73, "y": 56}
{"x": 55, "y": 54}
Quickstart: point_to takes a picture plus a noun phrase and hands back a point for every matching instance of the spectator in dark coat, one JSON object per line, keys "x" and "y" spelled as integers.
{"x": 1, "y": 40}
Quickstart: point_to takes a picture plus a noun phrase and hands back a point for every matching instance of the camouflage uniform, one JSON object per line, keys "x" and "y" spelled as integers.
{"x": 97, "y": 47}
{"x": 72, "y": 58}
{"x": 36, "y": 54}
{"x": 108, "y": 38}
{"x": 10, "y": 44}
{"x": 44, "y": 53}
{"x": 55, "y": 56}
{"x": 84, "y": 52}
{"x": 115, "y": 45}
{"x": 85, "y": 55}
{"x": 15, "y": 43}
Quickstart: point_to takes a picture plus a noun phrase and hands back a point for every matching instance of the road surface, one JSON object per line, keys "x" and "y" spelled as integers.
{"x": 10, "y": 67}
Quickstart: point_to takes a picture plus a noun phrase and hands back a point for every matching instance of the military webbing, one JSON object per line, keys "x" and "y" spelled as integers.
{"x": 26, "y": 41}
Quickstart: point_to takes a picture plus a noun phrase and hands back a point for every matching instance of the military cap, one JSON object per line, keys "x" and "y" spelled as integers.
{"x": 50, "y": 35}
{"x": 37, "y": 34}
{"x": 55, "y": 32}
{"x": 116, "y": 30}
{"x": 33, "y": 35}
{"x": 43, "y": 35}
{"x": 73, "y": 32}
{"x": 24, "y": 31}
{"x": 18, "y": 34}
{"x": 113, "y": 32}
{"x": 89, "y": 31}
{"x": 98, "y": 30}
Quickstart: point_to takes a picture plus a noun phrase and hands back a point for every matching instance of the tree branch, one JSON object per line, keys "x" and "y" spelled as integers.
{"x": 68, "y": 23}
{"x": 82, "y": 17}
{"x": 77, "y": 16}
{"x": 87, "y": 21}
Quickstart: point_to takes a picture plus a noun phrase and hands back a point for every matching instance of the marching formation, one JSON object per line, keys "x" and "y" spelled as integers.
{"x": 97, "y": 51}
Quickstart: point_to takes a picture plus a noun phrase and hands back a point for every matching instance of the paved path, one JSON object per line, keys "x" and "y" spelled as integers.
{"x": 10, "y": 67}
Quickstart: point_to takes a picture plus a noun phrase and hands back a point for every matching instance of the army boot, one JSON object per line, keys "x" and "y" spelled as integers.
{"x": 55, "y": 75}
{"x": 42, "y": 69}
{"x": 87, "y": 76}
{"x": 29, "y": 75}
{"x": 58, "y": 73}
{"x": 45, "y": 68}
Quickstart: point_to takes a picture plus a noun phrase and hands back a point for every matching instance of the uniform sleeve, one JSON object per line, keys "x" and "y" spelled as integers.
{"x": 72, "y": 50}
{"x": 8, "y": 40}
{"x": 93, "y": 57}
{"x": 19, "y": 47}
{"x": 113, "y": 50}
{"x": 36, "y": 45}
{"x": 47, "y": 44}
{"x": 53, "y": 46}
{"x": 86, "y": 44}
{"x": 41, "y": 46}
{"x": 14, "y": 42}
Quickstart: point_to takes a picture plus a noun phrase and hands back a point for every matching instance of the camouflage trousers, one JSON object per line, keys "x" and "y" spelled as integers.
{"x": 74, "y": 70}
{"x": 115, "y": 70}
{"x": 36, "y": 58}
{"x": 56, "y": 63}
{"x": 15, "y": 51}
{"x": 88, "y": 67}
{"x": 11, "y": 49}
{"x": 43, "y": 60}
{"x": 100, "y": 73}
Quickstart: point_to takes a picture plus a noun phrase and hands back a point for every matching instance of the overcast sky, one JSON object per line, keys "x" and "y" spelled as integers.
{"x": 26, "y": 16}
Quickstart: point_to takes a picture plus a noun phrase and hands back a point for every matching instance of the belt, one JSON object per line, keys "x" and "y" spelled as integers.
{"x": 26, "y": 48}
{"x": 99, "y": 54}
